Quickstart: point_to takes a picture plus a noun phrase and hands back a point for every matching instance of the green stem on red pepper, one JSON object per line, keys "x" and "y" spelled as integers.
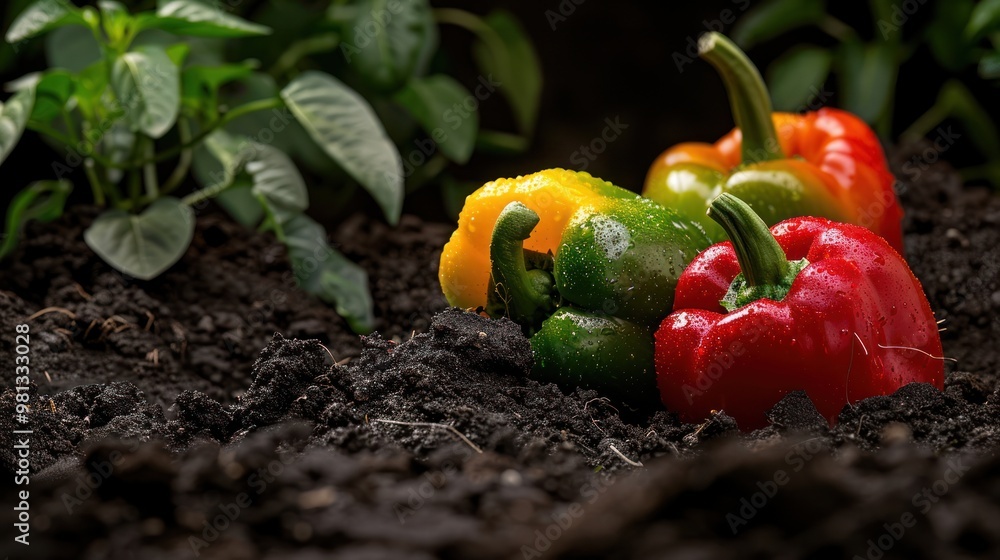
{"x": 766, "y": 271}
{"x": 525, "y": 295}
{"x": 748, "y": 97}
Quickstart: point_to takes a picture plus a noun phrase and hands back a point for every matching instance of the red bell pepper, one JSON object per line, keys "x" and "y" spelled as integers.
{"x": 810, "y": 304}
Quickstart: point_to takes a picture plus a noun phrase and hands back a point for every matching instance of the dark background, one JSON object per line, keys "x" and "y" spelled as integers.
{"x": 607, "y": 60}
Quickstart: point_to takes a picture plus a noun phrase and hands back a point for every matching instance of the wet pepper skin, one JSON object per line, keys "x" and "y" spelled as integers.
{"x": 832, "y": 335}
{"x": 583, "y": 222}
{"x": 587, "y": 269}
{"x": 835, "y": 169}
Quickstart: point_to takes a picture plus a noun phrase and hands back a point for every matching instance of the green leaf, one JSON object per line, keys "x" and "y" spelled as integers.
{"x": 14, "y": 116}
{"x": 218, "y": 165}
{"x": 277, "y": 182}
{"x": 767, "y": 20}
{"x": 53, "y": 89}
{"x": 90, "y": 85}
{"x": 220, "y": 159}
{"x": 143, "y": 245}
{"x": 960, "y": 103}
{"x": 868, "y": 75}
{"x": 52, "y": 93}
{"x": 989, "y": 66}
{"x": 797, "y": 76}
{"x": 503, "y": 143}
{"x": 43, "y": 16}
{"x": 391, "y": 41}
{"x": 147, "y": 84}
{"x": 274, "y": 180}
{"x": 200, "y": 84}
{"x": 189, "y": 17}
{"x": 515, "y": 68}
{"x": 946, "y": 34}
{"x": 240, "y": 203}
{"x": 984, "y": 19}
{"x": 73, "y": 48}
{"x": 177, "y": 53}
{"x": 431, "y": 101}
{"x": 324, "y": 272}
{"x": 345, "y": 126}
{"x": 115, "y": 19}
{"x": 42, "y": 201}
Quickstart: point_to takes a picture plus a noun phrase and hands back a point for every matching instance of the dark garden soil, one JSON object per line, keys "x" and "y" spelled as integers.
{"x": 162, "y": 430}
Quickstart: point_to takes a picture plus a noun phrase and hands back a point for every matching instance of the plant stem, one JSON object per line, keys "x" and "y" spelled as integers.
{"x": 149, "y": 170}
{"x": 184, "y": 163}
{"x": 96, "y": 185}
{"x": 301, "y": 49}
{"x": 134, "y": 189}
{"x": 761, "y": 259}
{"x": 525, "y": 296}
{"x": 475, "y": 24}
{"x": 837, "y": 29}
{"x": 748, "y": 97}
{"x": 253, "y": 106}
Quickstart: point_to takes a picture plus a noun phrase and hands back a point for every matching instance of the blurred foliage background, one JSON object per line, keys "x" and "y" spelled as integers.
{"x": 908, "y": 67}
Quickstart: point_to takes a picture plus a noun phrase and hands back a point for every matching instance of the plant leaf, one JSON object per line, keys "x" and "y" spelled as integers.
{"x": 42, "y": 201}
{"x": 147, "y": 84}
{"x": 772, "y": 18}
{"x": 989, "y": 65}
{"x": 868, "y": 74}
{"x": 189, "y": 17}
{"x": 277, "y": 182}
{"x": 985, "y": 18}
{"x": 345, "y": 126}
{"x": 516, "y": 69}
{"x": 274, "y": 180}
{"x": 200, "y": 84}
{"x": 43, "y": 16}
{"x": 53, "y": 89}
{"x": 52, "y": 93}
{"x": 14, "y": 116}
{"x": 797, "y": 76}
{"x": 960, "y": 103}
{"x": 217, "y": 164}
{"x": 72, "y": 48}
{"x": 946, "y": 34}
{"x": 114, "y": 19}
{"x": 324, "y": 272}
{"x": 391, "y": 41}
{"x": 431, "y": 100}
{"x": 239, "y": 202}
{"x": 143, "y": 245}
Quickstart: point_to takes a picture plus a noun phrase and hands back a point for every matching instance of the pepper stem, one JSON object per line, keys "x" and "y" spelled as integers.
{"x": 748, "y": 97}
{"x": 526, "y": 295}
{"x": 766, "y": 271}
